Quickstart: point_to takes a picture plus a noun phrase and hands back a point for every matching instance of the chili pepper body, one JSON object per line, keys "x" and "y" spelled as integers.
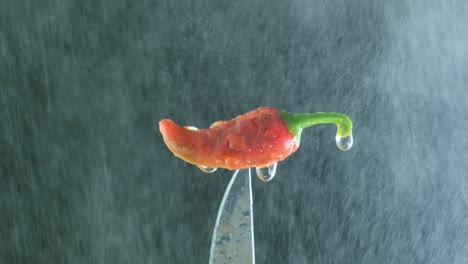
{"x": 258, "y": 138}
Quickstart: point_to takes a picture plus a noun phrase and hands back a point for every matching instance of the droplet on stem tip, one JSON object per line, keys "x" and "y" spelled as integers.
{"x": 344, "y": 143}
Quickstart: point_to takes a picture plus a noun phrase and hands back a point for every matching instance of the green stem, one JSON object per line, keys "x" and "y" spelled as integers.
{"x": 297, "y": 122}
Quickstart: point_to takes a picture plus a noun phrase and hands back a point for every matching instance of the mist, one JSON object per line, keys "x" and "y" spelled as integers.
{"x": 86, "y": 177}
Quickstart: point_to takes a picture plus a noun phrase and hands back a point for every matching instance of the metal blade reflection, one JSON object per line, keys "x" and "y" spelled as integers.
{"x": 233, "y": 235}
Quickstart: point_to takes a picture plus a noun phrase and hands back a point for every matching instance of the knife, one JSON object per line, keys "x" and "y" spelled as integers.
{"x": 233, "y": 235}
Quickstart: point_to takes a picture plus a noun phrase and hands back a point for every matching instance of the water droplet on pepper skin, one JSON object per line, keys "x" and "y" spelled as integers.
{"x": 191, "y": 128}
{"x": 344, "y": 143}
{"x": 237, "y": 142}
{"x": 266, "y": 173}
{"x": 207, "y": 169}
{"x": 231, "y": 162}
{"x": 217, "y": 123}
{"x": 297, "y": 138}
{"x": 266, "y": 146}
{"x": 276, "y": 156}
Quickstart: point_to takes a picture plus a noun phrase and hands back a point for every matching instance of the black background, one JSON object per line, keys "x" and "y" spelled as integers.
{"x": 86, "y": 178}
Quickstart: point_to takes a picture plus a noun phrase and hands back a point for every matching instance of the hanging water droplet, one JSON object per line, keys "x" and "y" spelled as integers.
{"x": 191, "y": 128}
{"x": 344, "y": 143}
{"x": 266, "y": 173}
{"x": 207, "y": 169}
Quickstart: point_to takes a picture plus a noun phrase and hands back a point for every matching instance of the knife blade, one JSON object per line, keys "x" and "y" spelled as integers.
{"x": 233, "y": 235}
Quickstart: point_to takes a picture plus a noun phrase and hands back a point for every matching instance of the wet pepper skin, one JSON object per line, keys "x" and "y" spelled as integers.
{"x": 258, "y": 138}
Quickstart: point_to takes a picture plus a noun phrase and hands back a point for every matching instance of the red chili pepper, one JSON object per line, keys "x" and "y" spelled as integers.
{"x": 259, "y": 138}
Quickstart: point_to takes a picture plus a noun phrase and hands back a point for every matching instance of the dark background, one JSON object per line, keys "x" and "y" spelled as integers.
{"x": 86, "y": 178}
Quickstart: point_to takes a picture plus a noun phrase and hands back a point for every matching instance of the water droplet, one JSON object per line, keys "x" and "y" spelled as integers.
{"x": 217, "y": 123}
{"x": 191, "y": 128}
{"x": 266, "y": 173}
{"x": 231, "y": 161}
{"x": 297, "y": 138}
{"x": 344, "y": 143}
{"x": 276, "y": 156}
{"x": 207, "y": 169}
